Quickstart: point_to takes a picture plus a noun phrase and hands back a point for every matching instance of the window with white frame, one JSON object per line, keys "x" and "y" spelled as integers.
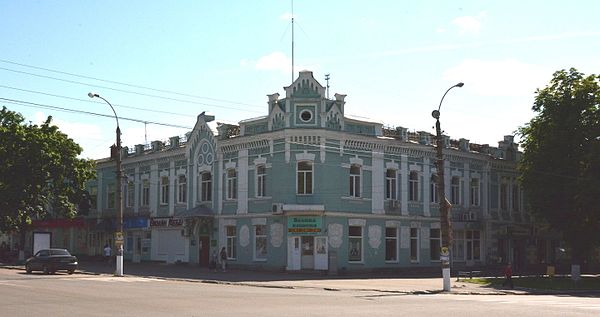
{"x": 435, "y": 243}
{"x": 231, "y": 184}
{"x": 261, "y": 181}
{"x": 516, "y": 203}
{"x": 145, "y": 198}
{"x": 305, "y": 178}
{"x": 391, "y": 244}
{"x": 414, "y": 244}
{"x": 475, "y": 192}
{"x": 181, "y": 189}
{"x": 413, "y": 186}
{"x": 504, "y": 196}
{"x": 129, "y": 198}
{"x": 205, "y": 186}
{"x": 473, "y": 245}
{"x": 455, "y": 190}
{"x": 390, "y": 183}
{"x": 354, "y": 180}
{"x": 164, "y": 190}
{"x": 433, "y": 187}
{"x": 93, "y": 197}
{"x": 355, "y": 243}
{"x": 231, "y": 241}
{"x": 260, "y": 242}
{"x": 110, "y": 196}
{"x": 458, "y": 245}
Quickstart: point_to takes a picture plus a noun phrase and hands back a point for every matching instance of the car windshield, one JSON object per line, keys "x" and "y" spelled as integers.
{"x": 60, "y": 252}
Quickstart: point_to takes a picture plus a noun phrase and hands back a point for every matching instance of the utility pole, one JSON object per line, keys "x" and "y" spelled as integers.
{"x": 446, "y": 225}
{"x": 327, "y": 79}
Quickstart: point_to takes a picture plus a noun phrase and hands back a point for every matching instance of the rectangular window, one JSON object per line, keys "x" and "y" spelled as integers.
{"x": 145, "y": 193}
{"x": 231, "y": 184}
{"x": 130, "y": 194}
{"x": 390, "y": 184}
{"x": 458, "y": 245}
{"x": 164, "y": 190}
{"x": 473, "y": 245}
{"x": 434, "y": 244}
{"x": 231, "y": 242}
{"x": 305, "y": 178}
{"x": 110, "y": 196}
{"x": 413, "y": 186}
{"x": 260, "y": 242}
{"x": 475, "y": 192}
{"x": 433, "y": 194}
{"x": 206, "y": 186}
{"x": 504, "y": 196}
{"x": 181, "y": 189}
{"x": 455, "y": 190}
{"x": 414, "y": 244}
{"x": 93, "y": 197}
{"x": 515, "y": 198}
{"x": 355, "y": 180}
{"x": 354, "y": 243}
{"x": 391, "y": 244}
{"x": 261, "y": 181}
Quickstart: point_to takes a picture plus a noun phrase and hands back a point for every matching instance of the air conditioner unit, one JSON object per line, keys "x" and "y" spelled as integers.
{"x": 393, "y": 204}
{"x": 277, "y": 208}
{"x": 472, "y": 216}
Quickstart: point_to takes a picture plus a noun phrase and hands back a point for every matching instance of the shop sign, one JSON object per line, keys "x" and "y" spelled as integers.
{"x": 166, "y": 222}
{"x": 305, "y": 225}
{"x": 135, "y": 223}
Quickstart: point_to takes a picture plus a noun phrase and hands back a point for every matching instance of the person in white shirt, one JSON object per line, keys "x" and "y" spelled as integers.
{"x": 107, "y": 253}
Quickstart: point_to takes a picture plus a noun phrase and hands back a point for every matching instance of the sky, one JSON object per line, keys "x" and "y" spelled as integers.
{"x": 161, "y": 63}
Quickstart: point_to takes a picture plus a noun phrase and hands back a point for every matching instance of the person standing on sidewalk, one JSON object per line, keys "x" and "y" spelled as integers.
{"x": 223, "y": 259}
{"x": 107, "y": 253}
{"x": 508, "y": 276}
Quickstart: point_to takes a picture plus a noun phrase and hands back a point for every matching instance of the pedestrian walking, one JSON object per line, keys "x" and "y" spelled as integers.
{"x": 223, "y": 259}
{"x": 508, "y": 276}
{"x": 107, "y": 253}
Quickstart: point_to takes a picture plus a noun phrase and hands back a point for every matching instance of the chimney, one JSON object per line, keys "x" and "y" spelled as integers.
{"x": 139, "y": 149}
{"x": 463, "y": 145}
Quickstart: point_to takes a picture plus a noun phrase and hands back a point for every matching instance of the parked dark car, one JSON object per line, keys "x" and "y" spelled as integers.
{"x": 52, "y": 260}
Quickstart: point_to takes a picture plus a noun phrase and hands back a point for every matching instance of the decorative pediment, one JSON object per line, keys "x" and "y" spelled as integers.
{"x": 306, "y": 86}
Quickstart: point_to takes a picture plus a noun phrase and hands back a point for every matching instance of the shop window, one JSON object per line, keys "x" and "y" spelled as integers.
{"x": 260, "y": 242}
{"x": 231, "y": 242}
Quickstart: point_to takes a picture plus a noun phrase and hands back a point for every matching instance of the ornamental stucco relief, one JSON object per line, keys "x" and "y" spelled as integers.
{"x": 375, "y": 236}
{"x": 244, "y": 236}
{"x": 276, "y": 234}
{"x": 335, "y": 232}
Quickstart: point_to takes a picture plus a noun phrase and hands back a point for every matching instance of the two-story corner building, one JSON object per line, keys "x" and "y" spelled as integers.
{"x": 308, "y": 188}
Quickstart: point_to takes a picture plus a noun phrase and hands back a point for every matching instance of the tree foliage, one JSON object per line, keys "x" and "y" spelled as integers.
{"x": 560, "y": 167}
{"x": 40, "y": 172}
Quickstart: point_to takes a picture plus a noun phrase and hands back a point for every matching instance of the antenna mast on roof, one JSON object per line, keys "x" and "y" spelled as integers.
{"x": 327, "y": 79}
{"x": 292, "y": 41}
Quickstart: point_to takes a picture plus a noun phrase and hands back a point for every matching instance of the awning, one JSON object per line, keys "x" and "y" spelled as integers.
{"x": 198, "y": 211}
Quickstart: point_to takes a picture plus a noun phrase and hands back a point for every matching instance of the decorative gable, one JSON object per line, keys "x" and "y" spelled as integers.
{"x": 306, "y": 86}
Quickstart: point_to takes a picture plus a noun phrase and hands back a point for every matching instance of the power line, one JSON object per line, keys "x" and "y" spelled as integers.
{"x": 90, "y": 101}
{"x": 42, "y": 106}
{"x": 126, "y": 84}
{"x": 127, "y": 91}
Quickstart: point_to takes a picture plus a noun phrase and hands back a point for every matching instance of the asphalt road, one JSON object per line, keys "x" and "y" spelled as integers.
{"x": 103, "y": 295}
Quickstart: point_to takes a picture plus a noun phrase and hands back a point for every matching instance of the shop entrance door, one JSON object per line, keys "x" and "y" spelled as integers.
{"x": 321, "y": 254}
{"x": 308, "y": 253}
{"x": 293, "y": 263}
{"x": 203, "y": 251}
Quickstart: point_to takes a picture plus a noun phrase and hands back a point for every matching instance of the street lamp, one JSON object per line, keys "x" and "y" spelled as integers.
{"x": 119, "y": 234}
{"x": 445, "y": 205}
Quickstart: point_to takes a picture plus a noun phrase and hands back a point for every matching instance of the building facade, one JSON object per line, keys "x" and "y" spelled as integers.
{"x": 308, "y": 188}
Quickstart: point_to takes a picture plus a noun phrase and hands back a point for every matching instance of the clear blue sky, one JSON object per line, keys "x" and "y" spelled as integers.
{"x": 394, "y": 60}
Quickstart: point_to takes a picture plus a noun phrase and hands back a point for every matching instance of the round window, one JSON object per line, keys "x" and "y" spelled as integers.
{"x": 306, "y": 115}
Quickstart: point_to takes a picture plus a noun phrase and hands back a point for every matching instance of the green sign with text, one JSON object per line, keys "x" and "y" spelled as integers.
{"x": 305, "y": 225}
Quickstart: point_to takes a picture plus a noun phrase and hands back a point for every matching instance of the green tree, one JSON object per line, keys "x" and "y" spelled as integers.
{"x": 40, "y": 173}
{"x": 560, "y": 166}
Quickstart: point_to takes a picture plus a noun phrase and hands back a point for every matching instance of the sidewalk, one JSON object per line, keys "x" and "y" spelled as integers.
{"x": 359, "y": 282}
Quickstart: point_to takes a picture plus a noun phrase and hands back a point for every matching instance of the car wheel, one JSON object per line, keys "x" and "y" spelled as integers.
{"x": 28, "y": 268}
{"x": 71, "y": 271}
{"x": 45, "y": 269}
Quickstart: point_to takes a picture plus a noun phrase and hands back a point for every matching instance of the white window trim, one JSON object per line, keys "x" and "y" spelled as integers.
{"x": 179, "y": 187}
{"x": 353, "y": 178}
{"x": 229, "y": 196}
{"x": 388, "y": 180}
{"x": 312, "y": 171}
{"x": 254, "y": 255}
{"x": 362, "y": 244}
{"x": 162, "y": 189}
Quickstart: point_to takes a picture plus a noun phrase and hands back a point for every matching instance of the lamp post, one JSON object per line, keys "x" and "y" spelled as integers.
{"x": 119, "y": 234}
{"x": 445, "y": 205}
